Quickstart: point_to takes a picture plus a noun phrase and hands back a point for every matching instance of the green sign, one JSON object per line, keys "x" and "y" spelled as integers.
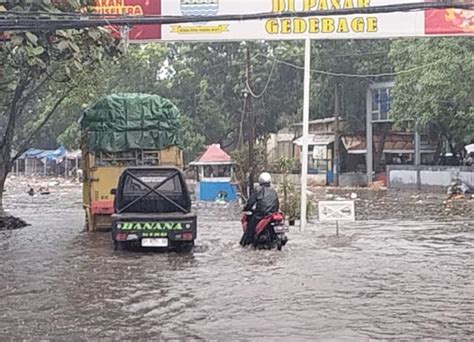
{"x": 154, "y": 234}
{"x": 144, "y": 226}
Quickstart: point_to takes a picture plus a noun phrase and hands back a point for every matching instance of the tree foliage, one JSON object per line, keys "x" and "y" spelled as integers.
{"x": 440, "y": 95}
{"x": 39, "y": 71}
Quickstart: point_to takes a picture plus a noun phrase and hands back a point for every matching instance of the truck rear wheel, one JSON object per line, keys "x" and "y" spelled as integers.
{"x": 184, "y": 248}
{"x": 119, "y": 245}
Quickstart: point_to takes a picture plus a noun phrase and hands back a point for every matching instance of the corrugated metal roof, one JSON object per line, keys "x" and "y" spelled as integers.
{"x": 316, "y": 139}
{"x": 394, "y": 143}
{"x": 319, "y": 121}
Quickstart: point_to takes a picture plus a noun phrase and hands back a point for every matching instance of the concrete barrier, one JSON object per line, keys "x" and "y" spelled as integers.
{"x": 315, "y": 180}
{"x": 427, "y": 177}
{"x": 345, "y": 179}
{"x": 352, "y": 179}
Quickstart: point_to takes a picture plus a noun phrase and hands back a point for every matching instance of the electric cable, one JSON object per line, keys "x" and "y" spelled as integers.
{"x": 329, "y": 73}
{"x": 266, "y": 84}
{"x": 10, "y": 23}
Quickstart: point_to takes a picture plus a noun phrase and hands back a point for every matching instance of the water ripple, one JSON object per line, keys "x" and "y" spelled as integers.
{"x": 377, "y": 280}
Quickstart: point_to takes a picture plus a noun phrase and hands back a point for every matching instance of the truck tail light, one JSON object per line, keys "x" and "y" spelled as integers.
{"x": 187, "y": 236}
{"x": 184, "y": 236}
{"x": 121, "y": 237}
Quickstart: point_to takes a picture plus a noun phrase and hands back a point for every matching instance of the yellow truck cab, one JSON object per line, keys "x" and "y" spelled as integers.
{"x": 122, "y": 131}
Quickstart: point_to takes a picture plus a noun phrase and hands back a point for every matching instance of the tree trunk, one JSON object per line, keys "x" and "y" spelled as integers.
{"x": 437, "y": 156}
{"x": 7, "y": 140}
{"x": 265, "y": 144}
{"x": 4, "y": 168}
{"x": 379, "y": 149}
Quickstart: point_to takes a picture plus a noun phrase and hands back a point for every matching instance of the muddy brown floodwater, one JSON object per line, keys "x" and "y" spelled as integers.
{"x": 378, "y": 280}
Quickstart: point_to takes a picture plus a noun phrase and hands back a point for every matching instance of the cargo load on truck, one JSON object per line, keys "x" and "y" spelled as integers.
{"x": 124, "y": 122}
{"x": 120, "y": 131}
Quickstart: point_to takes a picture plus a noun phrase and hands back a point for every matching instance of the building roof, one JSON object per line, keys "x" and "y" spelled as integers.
{"x": 213, "y": 155}
{"x": 469, "y": 148}
{"x": 320, "y": 121}
{"x": 281, "y": 137}
{"x": 316, "y": 139}
{"x": 34, "y": 153}
{"x": 394, "y": 143}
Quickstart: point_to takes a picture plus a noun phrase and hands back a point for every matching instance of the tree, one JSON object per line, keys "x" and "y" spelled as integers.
{"x": 33, "y": 65}
{"x": 439, "y": 95}
{"x": 243, "y": 166}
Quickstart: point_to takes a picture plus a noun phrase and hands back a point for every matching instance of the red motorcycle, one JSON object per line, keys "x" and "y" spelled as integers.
{"x": 269, "y": 231}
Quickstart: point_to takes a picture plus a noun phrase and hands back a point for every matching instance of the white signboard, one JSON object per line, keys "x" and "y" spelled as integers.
{"x": 320, "y": 152}
{"x": 379, "y": 25}
{"x": 336, "y": 211}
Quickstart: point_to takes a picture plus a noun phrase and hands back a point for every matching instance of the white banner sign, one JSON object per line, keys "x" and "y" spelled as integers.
{"x": 320, "y": 152}
{"x": 398, "y": 24}
{"x": 331, "y": 211}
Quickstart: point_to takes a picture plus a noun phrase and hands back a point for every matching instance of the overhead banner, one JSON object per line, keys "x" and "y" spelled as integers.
{"x": 358, "y": 26}
{"x": 398, "y": 24}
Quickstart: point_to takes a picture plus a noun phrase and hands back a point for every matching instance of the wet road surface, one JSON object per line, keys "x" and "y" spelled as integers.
{"x": 378, "y": 280}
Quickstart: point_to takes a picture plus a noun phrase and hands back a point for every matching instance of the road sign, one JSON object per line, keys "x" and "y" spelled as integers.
{"x": 336, "y": 211}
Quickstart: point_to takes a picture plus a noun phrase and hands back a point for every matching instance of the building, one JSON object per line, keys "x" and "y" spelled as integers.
{"x": 399, "y": 146}
{"x": 214, "y": 169}
{"x": 320, "y": 146}
{"x": 279, "y": 145}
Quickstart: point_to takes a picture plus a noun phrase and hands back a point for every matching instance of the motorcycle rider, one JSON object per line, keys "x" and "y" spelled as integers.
{"x": 263, "y": 202}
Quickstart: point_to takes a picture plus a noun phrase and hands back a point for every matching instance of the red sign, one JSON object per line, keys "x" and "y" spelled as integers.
{"x": 449, "y": 21}
{"x": 138, "y": 33}
{"x": 4, "y": 36}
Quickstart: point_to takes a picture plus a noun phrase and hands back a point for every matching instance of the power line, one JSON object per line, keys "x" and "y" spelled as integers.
{"x": 330, "y": 73}
{"x": 355, "y": 54}
{"x": 19, "y": 22}
{"x": 266, "y": 85}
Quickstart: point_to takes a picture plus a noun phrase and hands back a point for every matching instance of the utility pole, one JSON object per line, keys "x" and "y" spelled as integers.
{"x": 251, "y": 125}
{"x": 336, "y": 135}
{"x": 417, "y": 145}
{"x": 369, "y": 136}
{"x": 304, "y": 160}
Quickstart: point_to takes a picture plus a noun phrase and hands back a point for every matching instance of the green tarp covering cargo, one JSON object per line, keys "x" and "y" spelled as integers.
{"x": 122, "y": 122}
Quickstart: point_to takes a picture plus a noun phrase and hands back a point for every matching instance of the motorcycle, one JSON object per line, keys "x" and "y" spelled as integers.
{"x": 269, "y": 231}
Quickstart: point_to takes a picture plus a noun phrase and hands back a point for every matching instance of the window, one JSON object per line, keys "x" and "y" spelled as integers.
{"x": 217, "y": 171}
{"x": 127, "y": 158}
{"x": 152, "y": 179}
{"x": 381, "y": 104}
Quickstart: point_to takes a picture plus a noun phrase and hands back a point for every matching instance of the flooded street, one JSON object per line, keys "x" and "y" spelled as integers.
{"x": 378, "y": 280}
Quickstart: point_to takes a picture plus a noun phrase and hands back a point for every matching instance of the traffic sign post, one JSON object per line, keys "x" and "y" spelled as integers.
{"x": 335, "y": 211}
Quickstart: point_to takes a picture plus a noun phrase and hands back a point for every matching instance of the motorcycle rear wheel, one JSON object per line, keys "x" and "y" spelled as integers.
{"x": 279, "y": 245}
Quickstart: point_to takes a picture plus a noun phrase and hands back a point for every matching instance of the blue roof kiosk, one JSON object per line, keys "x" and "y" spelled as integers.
{"x": 214, "y": 170}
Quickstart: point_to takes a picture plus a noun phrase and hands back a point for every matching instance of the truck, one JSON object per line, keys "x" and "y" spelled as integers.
{"x": 153, "y": 210}
{"x": 118, "y": 132}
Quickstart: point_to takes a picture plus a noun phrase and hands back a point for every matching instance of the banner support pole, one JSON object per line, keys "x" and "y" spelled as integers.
{"x": 304, "y": 157}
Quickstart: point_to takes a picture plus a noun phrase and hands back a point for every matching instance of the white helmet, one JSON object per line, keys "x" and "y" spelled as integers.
{"x": 265, "y": 178}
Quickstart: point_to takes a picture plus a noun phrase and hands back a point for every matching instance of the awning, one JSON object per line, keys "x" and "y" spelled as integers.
{"x": 31, "y": 153}
{"x": 316, "y": 139}
{"x": 74, "y": 154}
{"x": 394, "y": 143}
{"x": 34, "y": 153}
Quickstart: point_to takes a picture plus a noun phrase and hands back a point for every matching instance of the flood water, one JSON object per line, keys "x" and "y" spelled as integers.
{"x": 378, "y": 280}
